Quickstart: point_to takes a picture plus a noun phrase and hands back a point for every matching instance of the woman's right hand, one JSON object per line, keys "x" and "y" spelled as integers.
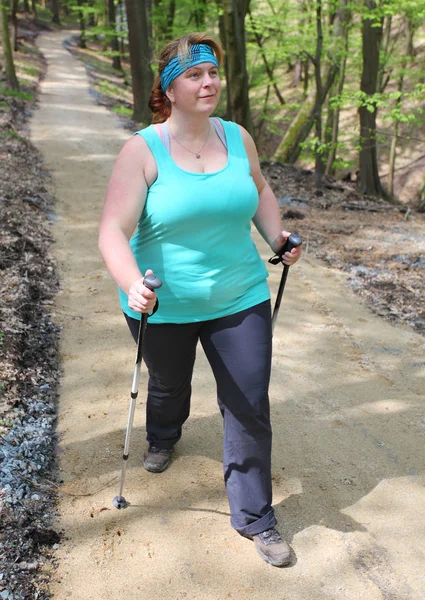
{"x": 141, "y": 298}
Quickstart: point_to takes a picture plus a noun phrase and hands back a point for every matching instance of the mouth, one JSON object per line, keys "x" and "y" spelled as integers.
{"x": 203, "y": 97}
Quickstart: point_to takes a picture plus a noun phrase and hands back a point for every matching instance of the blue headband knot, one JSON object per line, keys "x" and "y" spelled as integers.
{"x": 199, "y": 53}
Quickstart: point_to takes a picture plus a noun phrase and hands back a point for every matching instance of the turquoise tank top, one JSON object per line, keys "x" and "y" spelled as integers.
{"x": 194, "y": 233}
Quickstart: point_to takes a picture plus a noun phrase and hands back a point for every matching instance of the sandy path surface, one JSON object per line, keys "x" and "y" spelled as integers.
{"x": 347, "y": 403}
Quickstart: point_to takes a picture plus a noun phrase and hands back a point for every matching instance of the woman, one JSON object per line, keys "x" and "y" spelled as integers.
{"x": 191, "y": 185}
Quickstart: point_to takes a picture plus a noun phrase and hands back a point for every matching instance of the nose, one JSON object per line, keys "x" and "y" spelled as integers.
{"x": 207, "y": 80}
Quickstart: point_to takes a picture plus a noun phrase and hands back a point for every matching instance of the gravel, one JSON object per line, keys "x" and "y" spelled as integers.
{"x": 29, "y": 357}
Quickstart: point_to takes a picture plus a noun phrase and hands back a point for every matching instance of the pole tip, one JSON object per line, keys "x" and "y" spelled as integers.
{"x": 119, "y": 502}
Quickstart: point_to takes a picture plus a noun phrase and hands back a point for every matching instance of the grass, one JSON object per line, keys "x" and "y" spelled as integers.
{"x": 108, "y": 88}
{"x": 11, "y": 134}
{"x": 122, "y": 111}
{"x": 27, "y": 96}
{"x": 31, "y": 71}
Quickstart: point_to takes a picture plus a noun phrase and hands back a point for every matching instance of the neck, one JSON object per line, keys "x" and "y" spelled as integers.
{"x": 188, "y": 128}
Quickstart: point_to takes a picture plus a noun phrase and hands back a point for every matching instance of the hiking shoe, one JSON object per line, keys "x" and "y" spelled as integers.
{"x": 272, "y": 548}
{"x": 156, "y": 459}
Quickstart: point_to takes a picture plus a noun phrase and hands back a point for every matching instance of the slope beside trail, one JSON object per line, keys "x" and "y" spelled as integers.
{"x": 347, "y": 400}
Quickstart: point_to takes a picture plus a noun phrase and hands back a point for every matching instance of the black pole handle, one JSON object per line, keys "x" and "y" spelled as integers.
{"x": 153, "y": 283}
{"x": 293, "y": 241}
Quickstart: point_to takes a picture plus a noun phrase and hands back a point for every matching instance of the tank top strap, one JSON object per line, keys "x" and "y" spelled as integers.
{"x": 153, "y": 140}
{"x": 234, "y": 139}
{"x": 165, "y": 135}
{"x": 219, "y": 129}
{"x": 227, "y": 131}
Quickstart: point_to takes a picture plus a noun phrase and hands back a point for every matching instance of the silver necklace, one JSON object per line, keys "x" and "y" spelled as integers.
{"x": 197, "y": 154}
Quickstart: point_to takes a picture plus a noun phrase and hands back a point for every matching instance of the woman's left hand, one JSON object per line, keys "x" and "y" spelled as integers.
{"x": 289, "y": 258}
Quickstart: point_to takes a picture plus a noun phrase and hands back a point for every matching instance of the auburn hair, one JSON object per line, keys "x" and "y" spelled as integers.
{"x": 158, "y": 101}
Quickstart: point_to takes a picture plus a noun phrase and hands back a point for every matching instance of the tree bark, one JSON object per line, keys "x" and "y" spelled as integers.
{"x": 319, "y": 95}
{"x": 368, "y": 181}
{"x": 165, "y": 11}
{"x": 289, "y": 149}
{"x": 267, "y": 66}
{"x": 116, "y": 59}
{"x": 11, "y": 79}
{"x": 198, "y": 14}
{"x": 340, "y": 33}
{"x": 232, "y": 33}
{"x": 54, "y": 7}
{"x": 408, "y": 53}
{"x": 14, "y": 22}
{"x": 140, "y": 57}
{"x": 82, "y": 42}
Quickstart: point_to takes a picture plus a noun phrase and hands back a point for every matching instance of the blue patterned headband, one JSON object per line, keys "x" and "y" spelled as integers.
{"x": 199, "y": 53}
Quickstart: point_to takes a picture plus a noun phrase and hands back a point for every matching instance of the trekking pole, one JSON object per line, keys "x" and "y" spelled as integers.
{"x": 153, "y": 283}
{"x": 293, "y": 241}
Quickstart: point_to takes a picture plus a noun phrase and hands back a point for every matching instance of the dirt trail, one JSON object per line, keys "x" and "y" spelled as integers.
{"x": 347, "y": 403}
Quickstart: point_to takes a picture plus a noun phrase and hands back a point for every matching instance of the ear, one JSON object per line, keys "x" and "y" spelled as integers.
{"x": 170, "y": 93}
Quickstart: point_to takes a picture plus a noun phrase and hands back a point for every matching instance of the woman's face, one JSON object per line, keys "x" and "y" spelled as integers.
{"x": 197, "y": 89}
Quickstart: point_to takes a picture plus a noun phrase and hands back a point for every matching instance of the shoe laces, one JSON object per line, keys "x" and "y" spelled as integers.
{"x": 155, "y": 450}
{"x": 270, "y": 536}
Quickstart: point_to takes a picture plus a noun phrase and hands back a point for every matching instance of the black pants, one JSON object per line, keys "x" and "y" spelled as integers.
{"x": 238, "y": 348}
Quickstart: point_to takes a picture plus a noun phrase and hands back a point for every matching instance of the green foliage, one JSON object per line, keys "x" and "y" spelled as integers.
{"x": 123, "y": 111}
{"x": 8, "y": 134}
{"x": 44, "y": 14}
{"x": 31, "y": 71}
{"x": 108, "y": 88}
{"x": 287, "y": 32}
{"x": 4, "y": 91}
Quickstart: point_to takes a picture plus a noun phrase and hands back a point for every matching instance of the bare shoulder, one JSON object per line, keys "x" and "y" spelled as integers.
{"x": 135, "y": 147}
{"x": 136, "y": 154}
{"x": 250, "y": 148}
{"x": 249, "y": 144}
{"x": 246, "y": 137}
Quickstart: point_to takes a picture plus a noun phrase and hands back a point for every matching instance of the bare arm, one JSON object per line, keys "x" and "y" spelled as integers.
{"x": 124, "y": 203}
{"x": 267, "y": 218}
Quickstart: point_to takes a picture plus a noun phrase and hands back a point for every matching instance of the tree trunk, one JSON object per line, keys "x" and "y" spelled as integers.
{"x": 368, "y": 180}
{"x": 300, "y": 64}
{"x": 14, "y": 21}
{"x": 319, "y": 95}
{"x": 400, "y": 86}
{"x": 340, "y": 33}
{"x": 11, "y": 79}
{"x": 140, "y": 57}
{"x": 297, "y": 73}
{"x": 198, "y": 14}
{"x": 82, "y": 42}
{"x": 421, "y": 201}
{"x": 112, "y": 21}
{"x": 93, "y": 16}
{"x": 232, "y": 32}
{"x": 165, "y": 11}
{"x": 385, "y": 46}
{"x": 34, "y": 8}
{"x": 267, "y": 67}
{"x": 54, "y": 7}
{"x": 289, "y": 149}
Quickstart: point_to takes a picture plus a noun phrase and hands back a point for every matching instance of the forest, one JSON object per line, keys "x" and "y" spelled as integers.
{"x": 336, "y": 86}
{"x": 332, "y": 92}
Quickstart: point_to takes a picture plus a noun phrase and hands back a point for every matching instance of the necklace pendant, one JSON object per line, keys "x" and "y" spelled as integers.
{"x": 198, "y": 156}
